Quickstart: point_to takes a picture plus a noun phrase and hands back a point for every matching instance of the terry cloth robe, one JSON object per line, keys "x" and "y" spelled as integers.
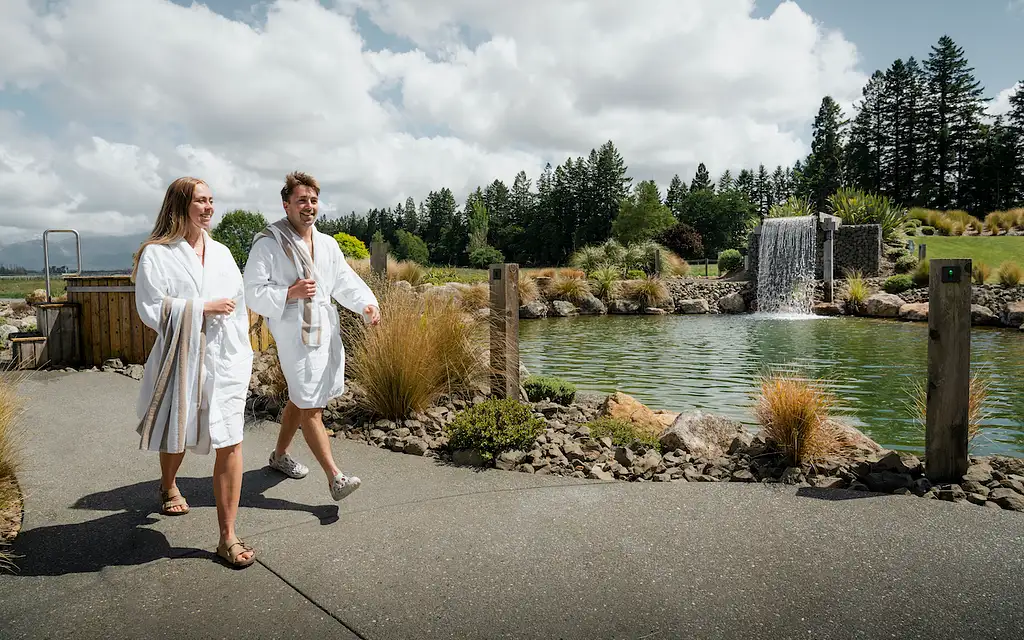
{"x": 197, "y": 374}
{"x": 314, "y": 370}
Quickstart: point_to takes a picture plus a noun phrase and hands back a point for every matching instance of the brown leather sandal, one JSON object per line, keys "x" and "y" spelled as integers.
{"x": 229, "y": 553}
{"x": 173, "y": 498}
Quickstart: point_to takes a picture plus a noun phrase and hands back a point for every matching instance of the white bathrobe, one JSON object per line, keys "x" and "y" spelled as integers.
{"x": 315, "y": 374}
{"x": 197, "y": 374}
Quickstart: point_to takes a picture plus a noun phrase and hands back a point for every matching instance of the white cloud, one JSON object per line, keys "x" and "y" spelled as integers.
{"x": 1000, "y": 105}
{"x": 241, "y": 102}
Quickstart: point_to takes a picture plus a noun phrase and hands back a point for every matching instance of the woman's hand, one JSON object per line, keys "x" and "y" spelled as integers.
{"x": 224, "y": 306}
{"x": 372, "y": 313}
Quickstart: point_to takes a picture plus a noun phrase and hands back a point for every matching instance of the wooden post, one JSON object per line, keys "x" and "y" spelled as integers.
{"x": 379, "y": 258}
{"x": 707, "y": 261}
{"x": 922, "y": 251}
{"x": 504, "y": 281}
{"x": 58, "y": 323}
{"x": 949, "y": 370}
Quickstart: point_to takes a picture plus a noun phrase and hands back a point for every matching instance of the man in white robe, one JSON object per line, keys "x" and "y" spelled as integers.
{"x": 292, "y": 273}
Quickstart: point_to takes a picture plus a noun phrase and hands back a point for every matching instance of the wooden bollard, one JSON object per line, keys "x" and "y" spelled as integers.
{"x": 949, "y": 370}
{"x": 379, "y": 258}
{"x": 504, "y": 284}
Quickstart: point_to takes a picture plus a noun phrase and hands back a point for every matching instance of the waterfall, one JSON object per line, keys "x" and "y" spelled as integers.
{"x": 786, "y": 265}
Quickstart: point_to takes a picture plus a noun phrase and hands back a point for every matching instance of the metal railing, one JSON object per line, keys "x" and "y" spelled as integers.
{"x": 46, "y": 255}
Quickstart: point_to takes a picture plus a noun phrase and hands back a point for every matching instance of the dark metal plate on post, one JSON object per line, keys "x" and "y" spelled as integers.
{"x": 496, "y": 274}
{"x": 950, "y": 273}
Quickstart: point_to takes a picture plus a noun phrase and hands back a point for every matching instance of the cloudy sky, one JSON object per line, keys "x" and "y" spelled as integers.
{"x": 104, "y": 102}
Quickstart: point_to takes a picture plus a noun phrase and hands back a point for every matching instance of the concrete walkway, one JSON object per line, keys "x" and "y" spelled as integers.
{"x": 425, "y": 550}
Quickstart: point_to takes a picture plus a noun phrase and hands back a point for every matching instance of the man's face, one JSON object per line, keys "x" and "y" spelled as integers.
{"x": 302, "y": 207}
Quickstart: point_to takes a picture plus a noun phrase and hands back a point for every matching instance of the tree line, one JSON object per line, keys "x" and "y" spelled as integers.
{"x": 920, "y": 135}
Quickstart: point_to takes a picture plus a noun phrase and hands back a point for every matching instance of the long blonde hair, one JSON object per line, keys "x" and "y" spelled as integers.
{"x": 172, "y": 221}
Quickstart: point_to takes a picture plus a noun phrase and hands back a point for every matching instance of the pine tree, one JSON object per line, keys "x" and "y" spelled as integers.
{"x": 991, "y": 179}
{"x": 726, "y": 182}
{"x": 780, "y": 186}
{"x": 762, "y": 191}
{"x": 868, "y": 138}
{"x": 902, "y": 109}
{"x": 701, "y": 179}
{"x": 410, "y": 222}
{"x": 1015, "y": 122}
{"x": 605, "y": 184}
{"x": 954, "y": 108}
{"x": 745, "y": 185}
{"x": 642, "y": 216}
{"x": 823, "y": 174}
{"x": 675, "y": 196}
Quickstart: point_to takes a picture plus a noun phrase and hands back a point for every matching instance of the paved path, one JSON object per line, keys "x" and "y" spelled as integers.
{"x": 426, "y": 550}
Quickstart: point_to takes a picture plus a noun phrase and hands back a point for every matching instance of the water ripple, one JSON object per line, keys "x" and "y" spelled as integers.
{"x": 712, "y": 363}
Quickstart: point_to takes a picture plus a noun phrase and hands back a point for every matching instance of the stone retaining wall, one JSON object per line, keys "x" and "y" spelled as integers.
{"x": 858, "y": 248}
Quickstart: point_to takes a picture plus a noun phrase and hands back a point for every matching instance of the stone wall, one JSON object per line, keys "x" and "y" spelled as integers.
{"x": 858, "y": 248}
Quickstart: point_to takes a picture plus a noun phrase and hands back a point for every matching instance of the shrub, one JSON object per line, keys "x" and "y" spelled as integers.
{"x": 981, "y": 272}
{"x": 1010, "y": 274}
{"x": 549, "y": 388}
{"x": 906, "y": 263}
{"x": 898, "y": 283}
{"x": 921, "y": 273}
{"x": 589, "y": 258}
{"x": 858, "y": 289}
{"x": 568, "y": 289}
{"x": 351, "y": 246}
{"x": 527, "y": 288}
{"x": 622, "y": 432}
{"x": 647, "y": 292}
{"x": 794, "y": 415}
{"x": 683, "y": 240}
{"x": 913, "y": 223}
{"x": 10, "y": 500}
{"x": 605, "y": 282}
{"x": 485, "y": 256}
{"x": 423, "y": 350}
{"x": 635, "y": 274}
{"x": 495, "y": 426}
{"x": 792, "y": 208}
{"x": 729, "y": 260}
{"x": 927, "y": 231}
{"x": 858, "y": 207}
{"x": 411, "y": 247}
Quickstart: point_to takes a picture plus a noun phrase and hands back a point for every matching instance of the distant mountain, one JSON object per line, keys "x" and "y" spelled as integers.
{"x": 99, "y": 253}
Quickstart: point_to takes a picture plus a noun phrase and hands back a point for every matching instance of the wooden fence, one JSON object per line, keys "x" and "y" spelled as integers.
{"x": 111, "y": 327}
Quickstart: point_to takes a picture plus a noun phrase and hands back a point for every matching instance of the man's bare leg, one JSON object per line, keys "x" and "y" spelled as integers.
{"x": 312, "y": 422}
{"x": 290, "y": 420}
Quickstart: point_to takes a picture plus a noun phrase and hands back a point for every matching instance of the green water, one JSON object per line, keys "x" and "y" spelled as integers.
{"x": 711, "y": 362}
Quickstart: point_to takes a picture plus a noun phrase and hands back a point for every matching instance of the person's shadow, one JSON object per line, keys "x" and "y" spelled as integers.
{"x": 122, "y": 539}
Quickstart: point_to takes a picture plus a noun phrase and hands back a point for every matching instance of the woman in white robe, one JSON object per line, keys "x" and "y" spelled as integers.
{"x": 190, "y": 291}
{"x": 292, "y": 274}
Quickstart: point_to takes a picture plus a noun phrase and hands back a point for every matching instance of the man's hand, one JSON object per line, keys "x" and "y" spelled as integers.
{"x": 373, "y": 313}
{"x": 302, "y": 289}
{"x": 224, "y": 306}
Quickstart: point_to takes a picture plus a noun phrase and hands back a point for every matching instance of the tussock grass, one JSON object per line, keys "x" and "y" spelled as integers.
{"x": 528, "y": 290}
{"x": 858, "y": 289}
{"x": 422, "y": 349}
{"x": 673, "y": 265}
{"x": 981, "y": 272}
{"x": 922, "y": 273}
{"x": 605, "y": 282}
{"x": 1010, "y": 274}
{"x": 569, "y": 289}
{"x": 10, "y": 498}
{"x": 794, "y": 414}
{"x": 979, "y": 391}
{"x": 649, "y": 292}
{"x": 406, "y": 270}
{"x": 473, "y": 297}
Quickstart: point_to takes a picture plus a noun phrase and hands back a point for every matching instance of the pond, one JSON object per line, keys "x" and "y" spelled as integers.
{"x": 712, "y": 363}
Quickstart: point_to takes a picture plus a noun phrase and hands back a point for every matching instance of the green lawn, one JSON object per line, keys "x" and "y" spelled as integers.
{"x": 993, "y": 251}
{"x": 17, "y": 287}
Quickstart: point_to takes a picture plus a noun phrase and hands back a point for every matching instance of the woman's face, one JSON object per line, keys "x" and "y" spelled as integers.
{"x": 200, "y": 212}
